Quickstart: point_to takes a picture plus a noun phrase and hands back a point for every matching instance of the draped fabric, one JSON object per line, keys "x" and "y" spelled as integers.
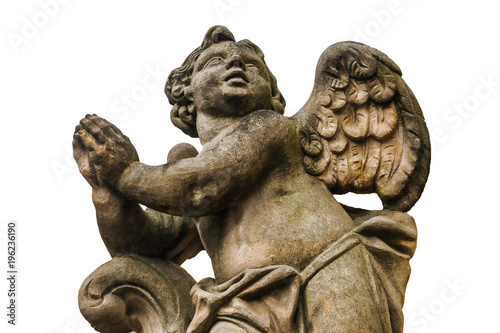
{"x": 257, "y": 300}
{"x": 355, "y": 285}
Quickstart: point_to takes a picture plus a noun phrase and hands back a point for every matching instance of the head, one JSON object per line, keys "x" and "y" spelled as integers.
{"x": 179, "y": 87}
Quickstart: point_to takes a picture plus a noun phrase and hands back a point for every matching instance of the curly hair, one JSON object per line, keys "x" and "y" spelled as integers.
{"x": 183, "y": 114}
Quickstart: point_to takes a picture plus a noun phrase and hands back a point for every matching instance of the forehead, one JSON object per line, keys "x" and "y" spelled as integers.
{"x": 226, "y": 49}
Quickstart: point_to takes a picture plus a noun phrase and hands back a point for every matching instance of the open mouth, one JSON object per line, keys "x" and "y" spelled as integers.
{"x": 236, "y": 76}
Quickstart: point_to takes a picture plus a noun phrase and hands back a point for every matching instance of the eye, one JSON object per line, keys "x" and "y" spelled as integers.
{"x": 253, "y": 67}
{"x": 213, "y": 62}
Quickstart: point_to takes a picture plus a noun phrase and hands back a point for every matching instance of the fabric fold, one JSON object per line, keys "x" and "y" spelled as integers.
{"x": 364, "y": 272}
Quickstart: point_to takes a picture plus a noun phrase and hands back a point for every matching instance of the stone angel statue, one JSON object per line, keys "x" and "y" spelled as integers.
{"x": 287, "y": 257}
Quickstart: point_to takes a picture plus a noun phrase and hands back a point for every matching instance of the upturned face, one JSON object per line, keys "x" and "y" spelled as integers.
{"x": 230, "y": 80}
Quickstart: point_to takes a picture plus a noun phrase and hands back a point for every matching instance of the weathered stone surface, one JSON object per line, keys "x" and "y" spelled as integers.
{"x": 133, "y": 293}
{"x": 258, "y": 198}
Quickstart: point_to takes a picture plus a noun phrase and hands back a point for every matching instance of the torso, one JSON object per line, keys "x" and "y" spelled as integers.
{"x": 287, "y": 219}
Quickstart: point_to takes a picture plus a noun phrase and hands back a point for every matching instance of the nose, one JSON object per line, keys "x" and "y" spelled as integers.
{"x": 235, "y": 61}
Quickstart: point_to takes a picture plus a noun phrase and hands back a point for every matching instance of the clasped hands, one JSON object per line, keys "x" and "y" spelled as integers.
{"x": 102, "y": 151}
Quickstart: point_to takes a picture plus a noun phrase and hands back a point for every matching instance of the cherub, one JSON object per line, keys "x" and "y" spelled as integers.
{"x": 287, "y": 257}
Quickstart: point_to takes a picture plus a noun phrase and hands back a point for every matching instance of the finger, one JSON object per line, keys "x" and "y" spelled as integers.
{"x": 78, "y": 128}
{"x": 91, "y": 126}
{"x": 86, "y": 148}
{"x": 110, "y": 130}
{"x": 79, "y": 149}
{"x": 102, "y": 129}
{"x": 103, "y": 123}
{"x": 88, "y": 141}
{"x": 82, "y": 159}
{"x": 77, "y": 143}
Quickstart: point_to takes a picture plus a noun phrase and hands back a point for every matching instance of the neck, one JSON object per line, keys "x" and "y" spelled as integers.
{"x": 210, "y": 126}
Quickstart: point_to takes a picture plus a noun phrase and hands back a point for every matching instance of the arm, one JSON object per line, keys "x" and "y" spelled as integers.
{"x": 126, "y": 228}
{"x": 217, "y": 177}
{"x": 209, "y": 182}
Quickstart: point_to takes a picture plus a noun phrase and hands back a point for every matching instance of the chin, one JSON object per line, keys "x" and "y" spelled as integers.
{"x": 233, "y": 91}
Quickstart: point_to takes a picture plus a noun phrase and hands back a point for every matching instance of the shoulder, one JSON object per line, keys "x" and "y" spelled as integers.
{"x": 261, "y": 132}
{"x": 269, "y": 122}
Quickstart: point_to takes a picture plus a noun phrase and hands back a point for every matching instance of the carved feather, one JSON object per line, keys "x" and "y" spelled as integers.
{"x": 362, "y": 129}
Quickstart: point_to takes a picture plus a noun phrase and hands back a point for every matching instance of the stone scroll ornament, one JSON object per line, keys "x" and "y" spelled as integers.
{"x": 287, "y": 257}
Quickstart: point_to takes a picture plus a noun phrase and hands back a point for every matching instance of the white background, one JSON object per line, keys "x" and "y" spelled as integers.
{"x": 64, "y": 60}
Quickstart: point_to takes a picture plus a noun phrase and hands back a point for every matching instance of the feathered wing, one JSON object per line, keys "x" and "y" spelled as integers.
{"x": 362, "y": 129}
